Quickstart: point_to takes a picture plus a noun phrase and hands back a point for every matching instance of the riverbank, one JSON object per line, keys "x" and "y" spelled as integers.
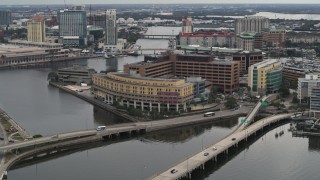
{"x": 96, "y": 102}
{"x": 11, "y": 127}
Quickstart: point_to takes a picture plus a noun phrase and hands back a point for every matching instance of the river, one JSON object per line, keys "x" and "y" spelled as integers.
{"x": 42, "y": 109}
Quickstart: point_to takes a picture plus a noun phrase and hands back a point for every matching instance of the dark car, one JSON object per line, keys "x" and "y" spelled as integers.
{"x": 173, "y": 171}
{"x": 206, "y": 154}
{"x": 233, "y": 139}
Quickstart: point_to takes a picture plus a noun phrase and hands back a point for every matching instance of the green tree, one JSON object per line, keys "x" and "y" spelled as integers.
{"x": 202, "y": 101}
{"x": 53, "y": 76}
{"x": 213, "y": 94}
{"x": 295, "y": 98}
{"x": 231, "y": 103}
{"x": 284, "y": 91}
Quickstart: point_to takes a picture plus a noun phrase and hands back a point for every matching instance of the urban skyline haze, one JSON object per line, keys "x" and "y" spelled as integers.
{"x": 19, "y": 2}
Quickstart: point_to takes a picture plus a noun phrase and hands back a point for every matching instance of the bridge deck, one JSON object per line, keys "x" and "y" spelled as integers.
{"x": 199, "y": 159}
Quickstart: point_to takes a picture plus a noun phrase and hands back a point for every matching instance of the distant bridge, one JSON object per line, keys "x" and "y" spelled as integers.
{"x": 150, "y": 36}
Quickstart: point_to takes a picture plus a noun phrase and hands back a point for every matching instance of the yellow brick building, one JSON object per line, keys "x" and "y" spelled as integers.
{"x": 36, "y": 29}
{"x": 142, "y": 92}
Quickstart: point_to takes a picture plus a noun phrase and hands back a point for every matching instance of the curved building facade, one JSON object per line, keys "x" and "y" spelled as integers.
{"x": 142, "y": 92}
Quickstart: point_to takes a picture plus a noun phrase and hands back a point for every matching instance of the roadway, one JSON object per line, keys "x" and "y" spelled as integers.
{"x": 197, "y": 160}
{"x": 126, "y": 127}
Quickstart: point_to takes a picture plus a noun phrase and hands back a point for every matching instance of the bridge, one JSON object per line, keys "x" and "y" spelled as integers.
{"x": 59, "y": 142}
{"x": 245, "y": 130}
{"x": 157, "y": 36}
{"x": 198, "y": 160}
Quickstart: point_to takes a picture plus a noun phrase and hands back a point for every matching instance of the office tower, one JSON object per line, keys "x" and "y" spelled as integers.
{"x": 36, "y": 29}
{"x": 73, "y": 26}
{"x": 5, "y": 17}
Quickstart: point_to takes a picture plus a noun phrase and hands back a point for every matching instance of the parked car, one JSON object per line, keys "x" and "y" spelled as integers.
{"x": 206, "y": 154}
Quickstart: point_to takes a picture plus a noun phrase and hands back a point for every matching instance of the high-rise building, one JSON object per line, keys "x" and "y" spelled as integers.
{"x": 187, "y": 26}
{"x": 36, "y": 29}
{"x": 251, "y": 24}
{"x": 5, "y": 17}
{"x": 73, "y": 26}
{"x": 108, "y": 21}
{"x": 265, "y": 77}
{"x": 111, "y": 27}
{"x": 100, "y": 20}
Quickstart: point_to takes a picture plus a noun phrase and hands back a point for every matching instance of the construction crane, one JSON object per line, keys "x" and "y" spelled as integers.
{"x": 53, "y": 20}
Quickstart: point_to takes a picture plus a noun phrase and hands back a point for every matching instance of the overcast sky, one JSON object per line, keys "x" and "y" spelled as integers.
{"x": 16, "y": 2}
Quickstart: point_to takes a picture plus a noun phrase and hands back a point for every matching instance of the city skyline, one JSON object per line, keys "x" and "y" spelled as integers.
{"x": 18, "y": 2}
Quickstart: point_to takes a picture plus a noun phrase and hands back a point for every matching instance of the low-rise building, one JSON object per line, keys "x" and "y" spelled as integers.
{"x": 315, "y": 101}
{"x": 224, "y": 74}
{"x": 57, "y": 46}
{"x": 306, "y": 84}
{"x": 76, "y": 75}
{"x": 265, "y": 77}
{"x": 207, "y": 39}
{"x": 12, "y": 55}
{"x": 143, "y": 92}
{"x": 249, "y": 41}
{"x": 274, "y": 37}
{"x": 292, "y": 74}
{"x": 247, "y": 59}
{"x": 199, "y": 86}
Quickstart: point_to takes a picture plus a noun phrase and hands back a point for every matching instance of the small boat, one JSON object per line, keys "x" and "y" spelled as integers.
{"x": 106, "y": 56}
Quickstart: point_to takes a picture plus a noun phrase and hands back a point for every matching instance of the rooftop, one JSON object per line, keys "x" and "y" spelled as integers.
{"x": 265, "y": 63}
{"x": 248, "y": 35}
{"x": 77, "y": 68}
{"x": 14, "y": 50}
{"x": 132, "y": 76}
{"x": 213, "y": 49}
{"x": 34, "y": 43}
{"x": 208, "y": 34}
